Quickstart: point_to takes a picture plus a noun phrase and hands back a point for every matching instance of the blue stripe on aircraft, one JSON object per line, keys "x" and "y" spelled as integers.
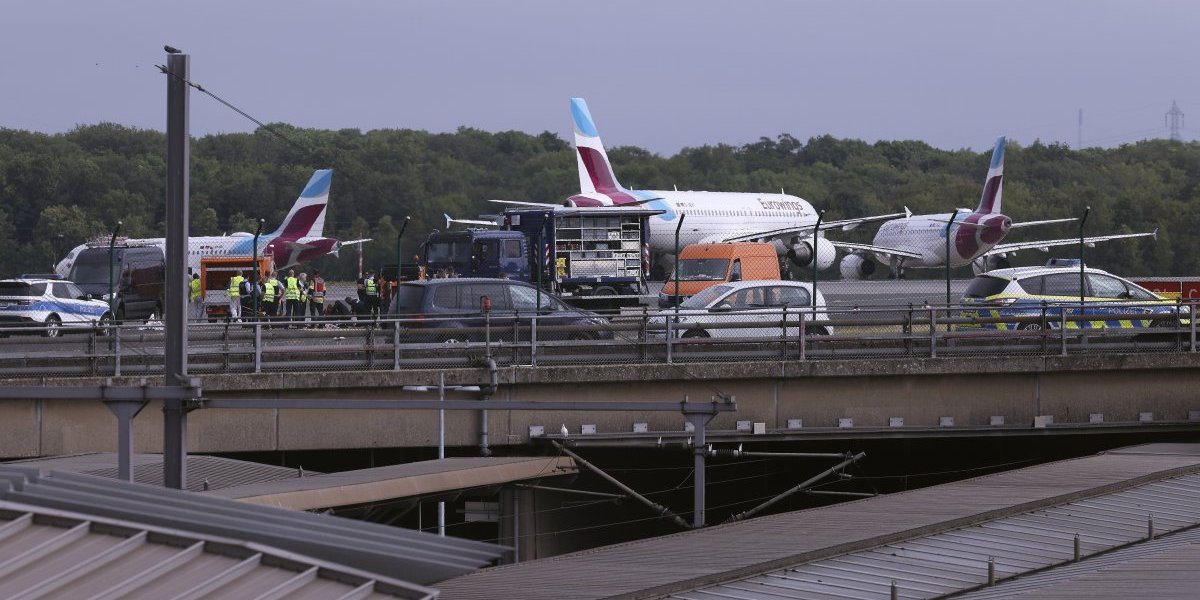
{"x": 998, "y": 153}
{"x": 583, "y": 118}
{"x": 669, "y": 215}
{"x": 318, "y": 185}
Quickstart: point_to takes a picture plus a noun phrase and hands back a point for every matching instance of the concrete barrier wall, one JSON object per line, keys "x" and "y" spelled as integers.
{"x": 870, "y": 392}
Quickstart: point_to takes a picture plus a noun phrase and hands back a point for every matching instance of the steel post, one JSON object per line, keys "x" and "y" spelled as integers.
{"x": 125, "y": 411}
{"x": 816, "y": 231}
{"x": 175, "y": 307}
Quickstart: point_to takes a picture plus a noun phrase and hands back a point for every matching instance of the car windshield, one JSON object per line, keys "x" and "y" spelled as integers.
{"x": 92, "y": 268}
{"x": 984, "y": 286}
{"x": 706, "y": 297}
{"x": 703, "y": 269}
{"x": 21, "y": 288}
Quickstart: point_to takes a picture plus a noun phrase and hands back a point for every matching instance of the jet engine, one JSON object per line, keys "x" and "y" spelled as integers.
{"x": 800, "y": 252}
{"x": 984, "y": 264}
{"x": 855, "y": 267}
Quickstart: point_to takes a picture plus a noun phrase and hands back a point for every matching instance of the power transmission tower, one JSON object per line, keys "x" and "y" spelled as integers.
{"x": 1173, "y": 120}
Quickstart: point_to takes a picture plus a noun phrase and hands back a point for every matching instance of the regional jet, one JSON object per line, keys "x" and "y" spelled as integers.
{"x": 298, "y": 239}
{"x": 975, "y": 236}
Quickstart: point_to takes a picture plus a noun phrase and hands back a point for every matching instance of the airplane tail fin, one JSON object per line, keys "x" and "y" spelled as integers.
{"x": 993, "y": 185}
{"x": 595, "y": 171}
{"x": 307, "y": 217}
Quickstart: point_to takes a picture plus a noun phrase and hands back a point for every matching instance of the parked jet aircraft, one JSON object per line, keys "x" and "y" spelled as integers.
{"x": 786, "y": 221}
{"x": 920, "y": 240}
{"x": 298, "y": 239}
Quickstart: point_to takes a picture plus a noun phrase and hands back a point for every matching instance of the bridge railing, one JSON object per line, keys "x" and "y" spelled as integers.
{"x": 632, "y": 337}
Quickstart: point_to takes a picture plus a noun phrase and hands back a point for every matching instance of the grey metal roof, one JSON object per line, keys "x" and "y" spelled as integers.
{"x": 398, "y": 481}
{"x": 1163, "y": 568}
{"x": 733, "y": 552}
{"x": 404, "y": 554}
{"x": 955, "y": 561}
{"x": 60, "y": 554}
{"x": 204, "y": 472}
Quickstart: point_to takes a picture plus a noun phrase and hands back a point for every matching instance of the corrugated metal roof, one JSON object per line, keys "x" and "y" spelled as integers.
{"x": 203, "y": 472}
{"x": 1162, "y": 568}
{"x": 398, "y": 481}
{"x": 60, "y": 554}
{"x": 408, "y": 555}
{"x": 955, "y": 561}
{"x": 726, "y": 553}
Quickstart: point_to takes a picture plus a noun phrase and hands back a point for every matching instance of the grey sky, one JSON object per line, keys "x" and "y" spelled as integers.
{"x": 657, "y": 74}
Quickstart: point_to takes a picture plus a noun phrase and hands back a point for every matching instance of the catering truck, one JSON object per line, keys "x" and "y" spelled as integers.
{"x": 594, "y": 258}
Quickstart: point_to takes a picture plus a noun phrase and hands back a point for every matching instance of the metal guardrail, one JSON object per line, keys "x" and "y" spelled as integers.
{"x": 639, "y": 337}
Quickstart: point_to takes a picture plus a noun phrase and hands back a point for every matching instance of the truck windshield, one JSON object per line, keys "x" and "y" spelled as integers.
{"x": 703, "y": 269}
{"x": 92, "y": 268}
{"x": 448, "y": 252}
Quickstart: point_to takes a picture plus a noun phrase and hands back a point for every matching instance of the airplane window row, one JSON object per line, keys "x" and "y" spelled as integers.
{"x": 733, "y": 213}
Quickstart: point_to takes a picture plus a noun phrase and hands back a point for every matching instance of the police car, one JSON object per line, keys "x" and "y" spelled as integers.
{"x": 1054, "y": 290}
{"x": 49, "y": 305}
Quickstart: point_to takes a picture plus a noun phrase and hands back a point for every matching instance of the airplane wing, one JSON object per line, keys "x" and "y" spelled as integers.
{"x": 533, "y": 204}
{"x": 875, "y": 249}
{"x": 1045, "y": 245}
{"x": 844, "y": 225}
{"x": 1046, "y": 222}
{"x": 450, "y": 220}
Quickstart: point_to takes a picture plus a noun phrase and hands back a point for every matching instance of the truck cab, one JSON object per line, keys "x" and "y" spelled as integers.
{"x": 477, "y": 253}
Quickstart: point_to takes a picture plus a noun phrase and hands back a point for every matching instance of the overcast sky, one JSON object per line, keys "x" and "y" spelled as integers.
{"x": 660, "y": 74}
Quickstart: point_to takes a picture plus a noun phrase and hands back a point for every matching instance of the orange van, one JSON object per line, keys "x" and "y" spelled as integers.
{"x": 702, "y": 266}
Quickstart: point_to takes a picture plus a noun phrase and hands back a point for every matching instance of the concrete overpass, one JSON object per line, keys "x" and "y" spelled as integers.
{"x": 791, "y": 399}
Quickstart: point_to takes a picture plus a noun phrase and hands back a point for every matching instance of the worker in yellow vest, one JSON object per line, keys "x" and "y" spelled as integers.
{"x": 291, "y": 291}
{"x": 371, "y": 291}
{"x": 235, "y": 296}
{"x": 195, "y": 297}
{"x": 270, "y": 289}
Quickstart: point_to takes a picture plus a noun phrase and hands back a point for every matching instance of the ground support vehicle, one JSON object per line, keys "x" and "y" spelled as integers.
{"x": 48, "y": 307}
{"x": 134, "y": 274}
{"x": 595, "y": 258}
{"x": 701, "y": 266}
{"x": 215, "y": 273}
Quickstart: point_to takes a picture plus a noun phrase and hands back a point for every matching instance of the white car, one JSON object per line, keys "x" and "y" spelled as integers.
{"x": 746, "y": 309}
{"x": 48, "y": 305}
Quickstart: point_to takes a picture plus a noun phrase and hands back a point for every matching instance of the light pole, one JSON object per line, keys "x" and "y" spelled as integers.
{"x": 676, "y": 294}
{"x": 399, "y": 235}
{"x": 816, "y": 231}
{"x": 949, "y": 226}
{"x": 1086, "y": 210}
{"x": 254, "y": 276}
{"x": 111, "y": 243}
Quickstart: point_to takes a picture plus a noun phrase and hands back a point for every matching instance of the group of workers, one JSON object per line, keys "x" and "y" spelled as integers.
{"x": 295, "y": 297}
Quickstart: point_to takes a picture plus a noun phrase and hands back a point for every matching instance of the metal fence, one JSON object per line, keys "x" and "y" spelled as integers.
{"x": 642, "y": 336}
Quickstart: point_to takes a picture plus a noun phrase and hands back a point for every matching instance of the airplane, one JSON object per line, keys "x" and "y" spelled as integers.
{"x": 784, "y": 220}
{"x": 298, "y": 239}
{"x": 920, "y": 240}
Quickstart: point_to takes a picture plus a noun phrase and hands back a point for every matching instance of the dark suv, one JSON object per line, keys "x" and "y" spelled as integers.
{"x": 456, "y": 308}
{"x": 136, "y": 279}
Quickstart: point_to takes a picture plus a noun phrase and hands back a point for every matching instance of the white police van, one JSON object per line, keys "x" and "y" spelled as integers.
{"x": 47, "y": 306}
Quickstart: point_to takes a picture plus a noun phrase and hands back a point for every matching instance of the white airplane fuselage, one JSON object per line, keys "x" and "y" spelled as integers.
{"x": 971, "y": 235}
{"x": 239, "y": 244}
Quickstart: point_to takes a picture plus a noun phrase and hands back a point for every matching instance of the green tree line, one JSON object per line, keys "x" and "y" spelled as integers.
{"x": 57, "y": 191}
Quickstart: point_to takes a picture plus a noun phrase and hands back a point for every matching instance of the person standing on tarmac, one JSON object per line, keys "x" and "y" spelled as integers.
{"x": 270, "y": 295}
{"x": 195, "y": 297}
{"x": 303, "y": 296}
{"x": 291, "y": 291}
{"x": 318, "y": 294}
{"x": 371, "y": 291}
{"x": 235, "y": 296}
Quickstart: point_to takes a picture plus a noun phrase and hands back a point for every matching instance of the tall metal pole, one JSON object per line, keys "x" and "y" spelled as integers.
{"x": 112, "y": 243}
{"x": 441, "y": 448}
{"x": 175, "y": 310}
{"x": 678, "y": 301}
{"x": 1086, "y": 211}
{"x": 949, "y": 227}
{"x": 254, "y": 276}
{"x": 816, "y": 231}
{"x": 399, "y": 235}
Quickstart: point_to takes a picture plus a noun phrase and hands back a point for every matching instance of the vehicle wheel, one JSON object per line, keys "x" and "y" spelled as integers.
{"x": 604, "y": 291}
{"x": 1164, "y": 323}
{"x": 1030, "y": 327}
{"x": 817, "y": 330}
{"x": 104, "y": 323}
{"x": 53, "y": 328}
{"x": 693, "y": 334}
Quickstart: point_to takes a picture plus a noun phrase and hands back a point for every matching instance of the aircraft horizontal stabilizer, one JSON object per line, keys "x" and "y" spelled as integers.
{"x": 354, "y": 242}
{"x": 520, "y": 203}
{"x": 450, "y": 220}
{"x": 1046, "y": 222}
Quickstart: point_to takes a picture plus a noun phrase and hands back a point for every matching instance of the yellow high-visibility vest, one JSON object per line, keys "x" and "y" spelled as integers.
{"x": 369, "y": 284}
{"x": 293, "y": 289}
{"x": 269, "y": 290}
{"x": 194, "y": 287}
{"x": 235, "y": 286}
